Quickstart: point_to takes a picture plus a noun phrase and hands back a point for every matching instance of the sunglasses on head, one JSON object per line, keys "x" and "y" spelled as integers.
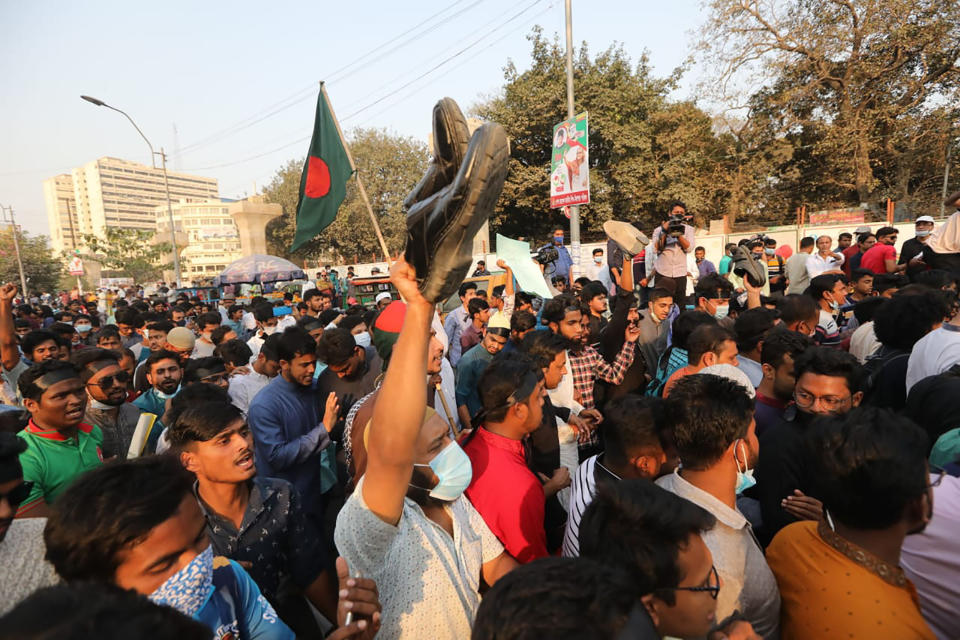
{"x": 108, "y": 381}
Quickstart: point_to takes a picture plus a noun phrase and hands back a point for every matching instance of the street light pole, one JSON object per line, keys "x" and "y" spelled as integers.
{"x": 574, "y": 209}
{"x": 166, "y": 184}
{"x": 16, "y": 247}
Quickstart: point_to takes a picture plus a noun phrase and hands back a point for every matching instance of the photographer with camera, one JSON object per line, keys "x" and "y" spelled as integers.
{"x": 554, "y": 258}
{"x": 671, "y": 241}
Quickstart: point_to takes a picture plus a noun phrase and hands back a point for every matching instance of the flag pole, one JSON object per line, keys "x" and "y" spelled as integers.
{"x": 353, "y": 166}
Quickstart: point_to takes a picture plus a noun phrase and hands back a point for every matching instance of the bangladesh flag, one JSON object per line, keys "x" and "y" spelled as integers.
{"x": 323, "y": 182}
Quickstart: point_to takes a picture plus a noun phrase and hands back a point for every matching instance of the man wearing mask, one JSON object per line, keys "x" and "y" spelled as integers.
{"x": 829, "y": 291}
{"x": 712, "y": 419}
{"x": 712, "y": 296}
{"x": 472, "y": 365}
{"x": 597, "y": 270}
{"x": 828, "y": 384}
{"x": 457, "y": 320}
{"x": 408, "y": 509}
{"x": 150, "y": 538}
{"x": 164, "y": 372}
{"x": 563, "y": 267}
{"x": 84, "y": 326}
{"x": 207, "y": 323}
{"x": 266, "y": 326}
{"x": 107, "y": 405}
{"x": 265, "y": 367}
{"x": 914, "y": 246}
{"x": 776, "y": 268}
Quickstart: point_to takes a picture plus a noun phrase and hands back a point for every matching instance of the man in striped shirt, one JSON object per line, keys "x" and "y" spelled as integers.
{"x": 636, "y": 445}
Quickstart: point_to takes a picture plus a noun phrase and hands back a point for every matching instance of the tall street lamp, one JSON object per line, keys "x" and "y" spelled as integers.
{"x": 166, "y": 184}
{"x": 16, "y": 245}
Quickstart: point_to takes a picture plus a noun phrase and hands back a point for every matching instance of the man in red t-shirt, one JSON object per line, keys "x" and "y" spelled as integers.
{"x": 882, "y": 257}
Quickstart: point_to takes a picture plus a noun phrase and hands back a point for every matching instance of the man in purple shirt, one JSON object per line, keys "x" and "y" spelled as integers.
{"x": 703, "y": 265}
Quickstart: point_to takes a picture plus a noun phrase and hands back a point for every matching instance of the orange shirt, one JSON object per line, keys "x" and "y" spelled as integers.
{"x": 831, "y": 588}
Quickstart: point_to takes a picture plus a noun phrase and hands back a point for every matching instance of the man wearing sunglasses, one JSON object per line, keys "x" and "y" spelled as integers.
{"x": 21, "y": 541}
{"x": 107, "y": 405}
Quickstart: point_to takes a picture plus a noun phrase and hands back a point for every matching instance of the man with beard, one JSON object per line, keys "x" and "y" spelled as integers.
{"x": 60, "y": 446}
{"x": 828, "y": 383}
{"x": 163, "y": 372}
{"x": 351, "y": 371}
{"x": 285, "y": 418}
{"x": 775, "y": 392}
{"x": 712, "y": 419}
{"x": 841, "y": 577}
{"x": 21, "y": 540}
{"x": 107, "y": 405}
{"x": 408, "y": 509}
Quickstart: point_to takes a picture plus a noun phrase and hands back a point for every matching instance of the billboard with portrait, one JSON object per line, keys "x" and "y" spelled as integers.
{"x": 569, "y": 163}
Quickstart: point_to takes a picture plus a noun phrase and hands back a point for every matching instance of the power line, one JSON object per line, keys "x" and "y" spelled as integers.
{"x": 382, "y": 98}
{"x": 309, "y": 91}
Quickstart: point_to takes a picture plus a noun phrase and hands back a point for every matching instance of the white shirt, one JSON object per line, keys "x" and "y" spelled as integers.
{"x": 932, "y": 560}
{"x": 817, "y": 264}
{"x": 583, "y": 488}
{"x": 255, "y": 343}
{"x": 24, "y": 567}
{"x": 748, "y": 583}
{"x": 243, "y": 389}
{"x": 863, "y": 342}
{"x": 934, "y": 353}
{"x": 428, "y": 581}
{"x": 599, "y": 272}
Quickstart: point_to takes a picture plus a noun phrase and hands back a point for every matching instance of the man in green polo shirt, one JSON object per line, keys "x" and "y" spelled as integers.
{"x": 59, "y": 445}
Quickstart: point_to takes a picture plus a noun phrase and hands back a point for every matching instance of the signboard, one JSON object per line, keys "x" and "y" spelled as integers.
{"x": 75, "y": 266}
{"x": 216, "y": 233}
{"x": 837, "y": 216}
{"x": 116, "y": 282}
{"x": 569, "y": 163}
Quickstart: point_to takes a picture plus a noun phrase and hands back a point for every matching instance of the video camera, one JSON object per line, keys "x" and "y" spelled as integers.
{"x": 675, "y": 226}
{"x": 547, "y": 255}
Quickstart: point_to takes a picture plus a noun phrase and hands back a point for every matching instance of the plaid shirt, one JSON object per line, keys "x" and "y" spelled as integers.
{"x": 589, "y": 365}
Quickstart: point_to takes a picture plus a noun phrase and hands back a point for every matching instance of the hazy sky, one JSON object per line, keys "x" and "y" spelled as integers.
{"x": 204, "y": 67}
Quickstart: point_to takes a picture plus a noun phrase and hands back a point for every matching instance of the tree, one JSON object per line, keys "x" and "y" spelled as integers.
{"x": 390, "y": 166}
{"x": 644, "y": 149}
{"x": 40, "y": 268}
{"x": 848, "y": 78}
{"x": 130, "y": 253}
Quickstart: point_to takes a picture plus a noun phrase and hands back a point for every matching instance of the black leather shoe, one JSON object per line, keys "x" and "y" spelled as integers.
{"x": 452, "y": 201}
{"x": 745, "y": 266}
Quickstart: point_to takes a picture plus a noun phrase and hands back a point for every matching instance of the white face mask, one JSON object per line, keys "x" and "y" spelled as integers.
{"x": 362, "y": 339}
{"x": 269, "y": 331}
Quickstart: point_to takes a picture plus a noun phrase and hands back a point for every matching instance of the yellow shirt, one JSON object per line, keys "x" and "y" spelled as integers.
{"x": 831, "y": 588}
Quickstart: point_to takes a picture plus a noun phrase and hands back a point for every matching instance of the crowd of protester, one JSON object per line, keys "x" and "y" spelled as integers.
{"x": 650, "y": 453}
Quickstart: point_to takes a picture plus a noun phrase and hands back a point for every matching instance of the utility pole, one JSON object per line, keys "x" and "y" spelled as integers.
{"x": 574, "y": 209}
{"x": 173, "y": 230}
{"x": 16, "y": 246}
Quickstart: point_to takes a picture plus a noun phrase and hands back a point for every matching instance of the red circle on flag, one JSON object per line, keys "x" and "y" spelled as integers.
{"x": 318, "y": 178}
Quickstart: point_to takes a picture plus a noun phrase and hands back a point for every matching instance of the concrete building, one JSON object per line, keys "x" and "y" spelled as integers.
{"x": 115, "y": 193}
{"x": 206, "y": 232}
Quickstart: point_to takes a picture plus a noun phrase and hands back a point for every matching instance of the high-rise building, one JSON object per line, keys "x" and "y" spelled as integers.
{"x": 212, "y": 238}
{"x": 110, "y": 192}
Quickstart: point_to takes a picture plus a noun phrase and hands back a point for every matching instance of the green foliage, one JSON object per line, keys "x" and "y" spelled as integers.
{"x": 865, "y": 91}
{"x": 644, "y": 149}
{"x": 129, "y": 253}
{"x": 40, "y": 268}
{"x": 389, "y": 165}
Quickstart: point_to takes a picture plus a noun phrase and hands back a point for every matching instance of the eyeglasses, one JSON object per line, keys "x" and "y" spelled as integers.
{"x": 18, "y": 494}
{"x": 806, "y": 400}
{"x": 106, "y": 382}
{"x": 712, "y": 586}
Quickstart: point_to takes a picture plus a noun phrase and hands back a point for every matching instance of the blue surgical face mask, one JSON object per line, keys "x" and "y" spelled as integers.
{"x": 453, "y": 470}
{"x": 187, "y": 590}
{"x": 745, "y": 478}
{"x": 923, "y": 234}
{"x": 769, "y": 252}
{"x": 83, "y": 328}
{"x": 165, "y": 396}
{"x": 721, "y": 311}
{"x": 362, "y": 339}
{"x": 558, "y": 239}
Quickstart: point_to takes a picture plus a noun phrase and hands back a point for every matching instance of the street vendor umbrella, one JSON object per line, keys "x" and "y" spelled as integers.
{"x": 260, "y": 269}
